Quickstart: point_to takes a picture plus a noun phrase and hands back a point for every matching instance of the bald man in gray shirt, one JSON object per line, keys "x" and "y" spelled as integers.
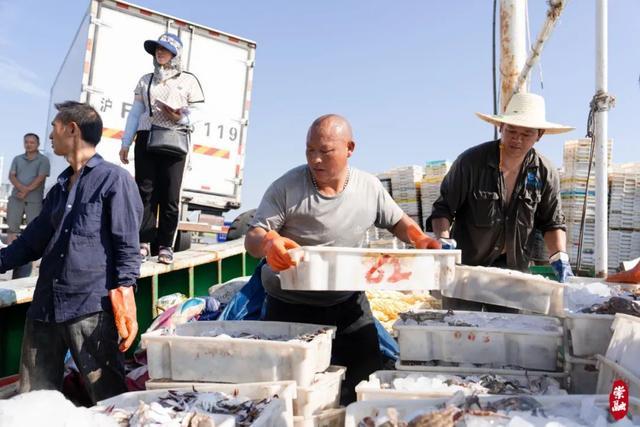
{"x": 326, "y": 202}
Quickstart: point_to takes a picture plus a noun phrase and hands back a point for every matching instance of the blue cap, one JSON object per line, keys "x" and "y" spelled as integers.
{"x": 169, "y": 41}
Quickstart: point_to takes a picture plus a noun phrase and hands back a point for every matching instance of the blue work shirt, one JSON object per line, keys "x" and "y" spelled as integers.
{"x": 87, "y": 237}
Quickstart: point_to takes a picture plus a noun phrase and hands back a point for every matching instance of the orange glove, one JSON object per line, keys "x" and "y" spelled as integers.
{"x": 629, "y": 276}
{"x": 421, "y": 240}
{"x": 275, "y": 249}
{"x": 124, "y": 310}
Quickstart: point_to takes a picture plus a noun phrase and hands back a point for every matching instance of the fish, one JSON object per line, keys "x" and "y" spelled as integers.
{"x": 615, "y": 305}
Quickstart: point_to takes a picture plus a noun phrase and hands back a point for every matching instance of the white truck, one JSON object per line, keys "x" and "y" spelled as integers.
{"x": 104, "y": 63}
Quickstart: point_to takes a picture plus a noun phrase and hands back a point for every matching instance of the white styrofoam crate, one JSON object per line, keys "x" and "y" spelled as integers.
{"x": 273, "y": 415}
{"x": 508, "y": 288}
{"x": 583, "y": 374}
{"x": 322, "y": 394}
{"x": 535, "y": 346}
{"x": 609, "y": 371}
{"x": 624, "y": 347}
{"x": 192, "y": 353}
{"x": 372, "y": 389}
{"x": 550, "y": 404}
{"x": 285, "y": 390}
{"x": 327, "y": 418}
{"x": 590, "y": 333}
{"x": 357, "y": 269}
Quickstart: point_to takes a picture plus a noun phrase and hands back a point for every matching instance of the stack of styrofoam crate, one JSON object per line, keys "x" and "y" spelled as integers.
{"x": 405, "y": 189}
{"x": 624, "y": 213}
{"x": 434, "y": 173}
{"x": 573, "y": 187}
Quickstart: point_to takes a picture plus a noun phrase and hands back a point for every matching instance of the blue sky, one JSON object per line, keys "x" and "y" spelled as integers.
{"x": 409, "y": 75}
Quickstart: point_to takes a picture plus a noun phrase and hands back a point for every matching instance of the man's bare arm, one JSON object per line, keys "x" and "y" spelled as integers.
{"x": 253, "y": 242}
{"x": 37, "y": 182}
{"x": 13, "y": 178}
{"x": 441, "y": 227}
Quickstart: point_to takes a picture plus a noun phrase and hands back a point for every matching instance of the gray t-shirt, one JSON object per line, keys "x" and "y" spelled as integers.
{"x": 27, "y": 170}
{"x": 295, "y": 209}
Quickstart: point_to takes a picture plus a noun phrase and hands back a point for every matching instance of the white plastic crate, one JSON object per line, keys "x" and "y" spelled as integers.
{"x": 284, "y": 390}
{"x": 475, "y": 369}
{"x": 194, "y": 354}
{"x": 322, "y": 394}
{"x": 373, "y": 390}
{"x": 356, "y": 269}
{"x": 609, "y": 371}
{"x": 327, "y": 418}
{"x": 551, "y": 405}
{"x": 590, "y": 333}
{"x": 508, "y": 288}
{"x": 273, "y": 415}
{"x": 583, "y": 374}
{"x": 624, "y": 347}
{"x": 529, "y": 342}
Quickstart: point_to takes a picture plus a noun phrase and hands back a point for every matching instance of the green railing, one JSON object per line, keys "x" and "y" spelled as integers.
{"x": 191, "y": 280}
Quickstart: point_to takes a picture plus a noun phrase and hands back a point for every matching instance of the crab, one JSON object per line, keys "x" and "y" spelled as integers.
{"x": 499, "y": 385}
{"x": 517, "y": 403}
{"x": 448, "y": 416}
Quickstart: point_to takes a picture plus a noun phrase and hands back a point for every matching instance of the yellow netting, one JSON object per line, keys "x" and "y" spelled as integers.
{"x": 386, "y": 305}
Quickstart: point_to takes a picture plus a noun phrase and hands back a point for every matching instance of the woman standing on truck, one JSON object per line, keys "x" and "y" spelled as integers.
{"x": 167, "y": 100}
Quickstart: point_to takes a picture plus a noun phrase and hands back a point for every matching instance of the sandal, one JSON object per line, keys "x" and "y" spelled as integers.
{"x": 145, "y": 251}
{"x": 165, "y": 255}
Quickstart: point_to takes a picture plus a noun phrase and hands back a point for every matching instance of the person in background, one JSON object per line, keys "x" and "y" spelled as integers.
{"x": 87, "y": 237}
{"x": 327, "y": 202}
{"x": 27, "y": 175}
{"x": 158, "y": 174}
{"x": 497, "y": 193}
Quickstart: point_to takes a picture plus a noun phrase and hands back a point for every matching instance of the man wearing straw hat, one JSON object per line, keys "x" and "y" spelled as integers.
{"x": 498, "y": 192}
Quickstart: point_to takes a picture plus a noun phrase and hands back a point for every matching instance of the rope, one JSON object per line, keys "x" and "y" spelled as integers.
{"x": 495, "y": 85}
{"x": 600, "y": 102}
{"x": 526, "y": 12}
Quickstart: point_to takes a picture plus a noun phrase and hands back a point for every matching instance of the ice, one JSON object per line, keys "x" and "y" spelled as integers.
{"x": 578, "y": 296}
{"x": 48, "y": 408}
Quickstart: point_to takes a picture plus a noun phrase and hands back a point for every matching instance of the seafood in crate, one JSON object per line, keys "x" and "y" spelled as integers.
{"x": 501, "y": 339}
{"x": 461, "y": 410}
{"x": 191, "y": 408}
{"x": 208, "y": 352}
{"x": 590, "y": 307}
{"x": 421, "y": 385}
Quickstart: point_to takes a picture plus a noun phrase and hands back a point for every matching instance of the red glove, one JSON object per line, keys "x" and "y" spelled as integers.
{"x": 421, "y": 240}
{"x": 629, "y": 276}
{"x": 275, "y": 248}
{"x": 124, "y": 311}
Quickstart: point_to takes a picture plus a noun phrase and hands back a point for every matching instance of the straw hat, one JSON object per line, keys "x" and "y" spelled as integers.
{"x": 526, "y": 110}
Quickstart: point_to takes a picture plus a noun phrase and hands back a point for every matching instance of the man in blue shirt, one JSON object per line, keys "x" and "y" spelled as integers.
{"x": 87, "y": 236}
